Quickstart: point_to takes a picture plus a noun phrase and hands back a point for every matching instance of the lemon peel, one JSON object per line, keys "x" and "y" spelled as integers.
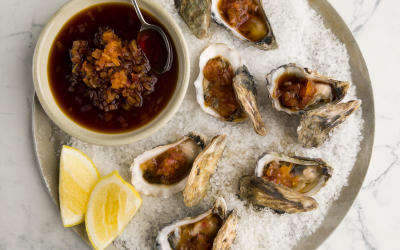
{"x": 78, "y": 174}
{"x": 112, "y": 204}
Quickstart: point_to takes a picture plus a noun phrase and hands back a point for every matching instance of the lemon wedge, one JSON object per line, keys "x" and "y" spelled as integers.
{"x": 112, "y": 204}
{"x": 78, "y": 174}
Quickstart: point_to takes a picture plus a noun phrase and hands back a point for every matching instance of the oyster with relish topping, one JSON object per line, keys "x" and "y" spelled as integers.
{"x": 302, "y": 174}
{"x": 247, "y": 20}
{"x": 164, "y": 170}
{"x": 295, "y": 90}
{"x": 285, "y": 183}
{"x": 214, "y": 90}
{"x": 260, "y": 192}
{"x": 212, "y": 228}
{"x": 196, "y": 14}
{"x": 315, "y": 125}
{"x": 224, "y": 87}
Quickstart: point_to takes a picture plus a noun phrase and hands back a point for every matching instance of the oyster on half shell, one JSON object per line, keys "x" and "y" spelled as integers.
{"x": 298, "y": 178}
{"x": 203, "y": 167}
{"x": 212, "y": 227}
{"x": 216, "y": 60}
{"x": 225, "y": 89}
{"x": 315, "y": 125}
{"x": 312, "y": 173}
{"x": 260, "y": 192}
{"x": 256, "y": 30}
{"x": 196, "y": 14}
{"x": 295, "y": 90}
{"x": 151, "y": 171}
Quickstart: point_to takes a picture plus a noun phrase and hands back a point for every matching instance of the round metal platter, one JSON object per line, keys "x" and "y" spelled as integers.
{"x": 48, "y": 150}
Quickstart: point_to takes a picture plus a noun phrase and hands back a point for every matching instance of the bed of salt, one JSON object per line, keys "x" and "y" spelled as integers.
{"x": 302, "y": 39}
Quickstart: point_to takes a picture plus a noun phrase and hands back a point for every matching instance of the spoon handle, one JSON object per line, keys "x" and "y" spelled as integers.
{"x": 139, "y": 14}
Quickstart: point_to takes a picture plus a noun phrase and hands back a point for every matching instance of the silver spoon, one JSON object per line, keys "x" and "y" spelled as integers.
{"x": 147, "y": 26}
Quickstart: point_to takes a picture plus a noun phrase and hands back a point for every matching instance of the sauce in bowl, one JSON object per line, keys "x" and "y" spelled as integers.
{"x": 75, "y": 97}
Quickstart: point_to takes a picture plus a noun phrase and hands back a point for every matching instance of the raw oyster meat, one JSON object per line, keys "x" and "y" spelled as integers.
{"x": 315, "y": 125}
{"x": 260, "y": 192}
{"x": 164, "y": 170}
{"x": 311, "y": 174}
{"x": 210, "y": 227}
{"x": 196, "y": 14}
{"x": 246, "y": 93}
{"x": 203, "y": 167}
{"x": 246, "y": 20}
{"x": 295, "y": 90}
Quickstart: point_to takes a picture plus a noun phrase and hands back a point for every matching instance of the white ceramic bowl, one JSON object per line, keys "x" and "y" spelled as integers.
{"x": 49, "y": 104}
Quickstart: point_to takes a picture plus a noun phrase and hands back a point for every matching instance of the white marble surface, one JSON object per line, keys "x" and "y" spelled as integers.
{"x": 29, "y": 220}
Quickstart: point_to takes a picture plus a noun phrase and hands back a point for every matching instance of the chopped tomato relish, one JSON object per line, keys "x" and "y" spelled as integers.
{"x": 296, "y": 95}
{"x": 280, "y": 173}
{"x": 167, "y": 168}
{"x": 116, "y": 71}
{"x": 200, "y": 235}
{"x": 245, "y": 16}
{"x": 219, "y": 94}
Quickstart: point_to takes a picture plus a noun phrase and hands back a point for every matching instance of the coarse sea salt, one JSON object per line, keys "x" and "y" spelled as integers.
{"x": 302, "y": 39}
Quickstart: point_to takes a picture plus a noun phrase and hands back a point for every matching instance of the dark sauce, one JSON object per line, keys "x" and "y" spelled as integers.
{"x": 149, "y": 41}
{"x": 123, "y": 20}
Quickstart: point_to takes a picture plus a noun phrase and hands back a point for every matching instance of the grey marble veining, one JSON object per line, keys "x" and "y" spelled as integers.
{"x": 29, "y": 220}
{"x": 373, "y": 222}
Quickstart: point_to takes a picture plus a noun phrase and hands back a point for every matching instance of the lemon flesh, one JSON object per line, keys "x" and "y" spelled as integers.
{"x": 78, "y": 175}
{"x": 112, "y": 204}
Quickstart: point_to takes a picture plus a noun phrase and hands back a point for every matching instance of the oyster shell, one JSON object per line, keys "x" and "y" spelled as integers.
{"x": 191, "y": 146}
{"x": 315, "y": 125}
{"x": 328, "y": 89}
{"x": 246, "y": 93}
{"x": 227, "y": 58}
{"x": 169, "y": 236}
{"x": 196, "y": 14}
{"x": 313, "y": 173}
{"x": 257, "y": 27}
{"x": 227, "y": 234}
{"x": 203, "y": 167}
{"x": 260, "y": 192}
